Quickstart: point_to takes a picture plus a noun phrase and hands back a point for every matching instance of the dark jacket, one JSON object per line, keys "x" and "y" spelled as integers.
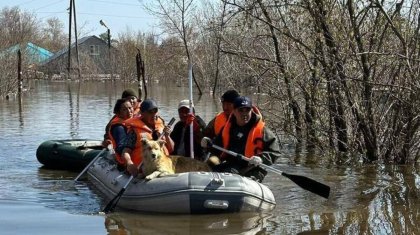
{"x": 181, "y": 136}
{"x": 269, "y": 154}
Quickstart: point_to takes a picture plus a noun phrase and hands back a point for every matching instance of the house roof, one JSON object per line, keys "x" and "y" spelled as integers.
{"x": 66, "y": 49}
{"x": 36, "y": 54}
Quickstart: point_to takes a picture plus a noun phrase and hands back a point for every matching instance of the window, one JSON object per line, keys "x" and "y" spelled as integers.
{"x": 94, "y": 50}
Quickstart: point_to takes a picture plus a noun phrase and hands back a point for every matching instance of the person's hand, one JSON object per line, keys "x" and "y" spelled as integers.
{"x": 167, "y": 130}
{"x": 255, "y": 160}
{"x": 132, "y": 169}
{"x": 106, "y": 142}
{"x": 191, "y": 119}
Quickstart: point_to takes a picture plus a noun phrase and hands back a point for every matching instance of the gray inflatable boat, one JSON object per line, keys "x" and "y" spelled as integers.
{"x": 184, "y": 193}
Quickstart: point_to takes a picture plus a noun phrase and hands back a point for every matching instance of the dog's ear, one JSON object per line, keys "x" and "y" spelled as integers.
{"x": 144, "y": 141}
{"x": 161, "y": 143}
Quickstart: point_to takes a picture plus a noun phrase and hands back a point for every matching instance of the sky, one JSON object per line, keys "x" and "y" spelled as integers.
{"x": 118, "y": 15}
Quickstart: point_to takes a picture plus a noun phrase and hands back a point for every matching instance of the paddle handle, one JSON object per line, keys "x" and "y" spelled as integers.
{"x": 128, "y": 182}
{"x": 169, "y": 125}
{"x": 190, "y": 81}
{"x": 90, "y": 164}
{"x": 302, "y": 181}
{"x": 246, "y": 159}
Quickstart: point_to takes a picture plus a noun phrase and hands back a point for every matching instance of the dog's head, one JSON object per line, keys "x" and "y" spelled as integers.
{"x": 152, "y": 150}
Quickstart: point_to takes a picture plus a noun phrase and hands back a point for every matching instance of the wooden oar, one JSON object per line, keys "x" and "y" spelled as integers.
{"x": 113, "y": 203}
{"x": 91, "y": 162}
{"x": 302, "y": 181}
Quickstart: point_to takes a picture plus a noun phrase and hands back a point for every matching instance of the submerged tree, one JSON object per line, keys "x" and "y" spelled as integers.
{"x": 344, "y": 73}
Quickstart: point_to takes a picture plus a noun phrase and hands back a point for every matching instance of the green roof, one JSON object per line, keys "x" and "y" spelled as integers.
{"x": 34, "y": 54}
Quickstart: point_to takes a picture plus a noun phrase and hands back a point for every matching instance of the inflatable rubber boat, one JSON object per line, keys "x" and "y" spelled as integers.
{"x": 68, "y": 154}
{"x": 184, "y": 193}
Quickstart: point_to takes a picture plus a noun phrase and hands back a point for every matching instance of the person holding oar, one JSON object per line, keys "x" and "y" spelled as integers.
{"x": 147, "y": 125}
{"x": 117, "y": 130}
{"x": 245, "y": 133}
{"x": 181, "y": 131}
{"x": 129, "y": 95}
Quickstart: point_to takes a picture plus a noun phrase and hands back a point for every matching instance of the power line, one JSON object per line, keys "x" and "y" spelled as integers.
{"x": 116, "y": 3}
{"x": 119, "y": 16}
{"x": 50, "y": 4}
{"x": 93, "y": 14}
{"x": 25, "y": 2}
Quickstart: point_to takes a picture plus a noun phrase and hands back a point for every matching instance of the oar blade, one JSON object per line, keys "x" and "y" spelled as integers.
{"x": 113, "y": 203}
{"x": 309, "y": 184}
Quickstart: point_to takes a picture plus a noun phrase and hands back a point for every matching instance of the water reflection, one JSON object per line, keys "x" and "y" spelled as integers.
{"x": 74, "y": 112}
{"x": 365, "y": 199}
{"x": 241, "y": 223}
{"x": 21, "y": 123}
{"x": 57, "y": 189}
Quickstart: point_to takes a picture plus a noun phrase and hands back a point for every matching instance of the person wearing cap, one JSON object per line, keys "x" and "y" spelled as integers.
{"x": 148, "y": 125}
{"x": 182, "y": 131}
{"x": 245, "y": 133}
{"x": 216, "y": 124}
{"x": 132, "y": 96}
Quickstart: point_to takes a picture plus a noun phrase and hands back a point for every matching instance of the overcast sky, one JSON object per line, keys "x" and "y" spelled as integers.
{"x": 118, "y": 15}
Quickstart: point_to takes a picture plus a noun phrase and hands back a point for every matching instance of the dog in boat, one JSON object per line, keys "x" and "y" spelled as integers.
{"x": 156, "y": 163}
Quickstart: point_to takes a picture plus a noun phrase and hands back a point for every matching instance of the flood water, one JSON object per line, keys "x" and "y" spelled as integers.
{"x": 373, "y": 199}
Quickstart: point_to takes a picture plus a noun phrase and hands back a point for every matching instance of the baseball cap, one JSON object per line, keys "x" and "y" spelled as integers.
{"x": 184, "y": 103}
{"x": 147, "y": 105}
{"x": 242, "y": 101}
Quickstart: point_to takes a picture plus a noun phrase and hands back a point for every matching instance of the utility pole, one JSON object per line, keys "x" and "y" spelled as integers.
{"x": 109, "y": 46}
{"x": 75, "y": 35}
{"x": 19, "y": 54}
{"x": 69, "y": 51}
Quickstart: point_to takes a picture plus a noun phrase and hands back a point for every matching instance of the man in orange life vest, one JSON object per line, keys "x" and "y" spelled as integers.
{"x": 245, "y": 133}
{"x": 216, "y": 124}
{"x": 147, "y": 125}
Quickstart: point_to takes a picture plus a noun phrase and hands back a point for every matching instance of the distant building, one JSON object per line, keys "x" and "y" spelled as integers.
{"x": 93, "y": 58}
{"x": 31, "y": 53}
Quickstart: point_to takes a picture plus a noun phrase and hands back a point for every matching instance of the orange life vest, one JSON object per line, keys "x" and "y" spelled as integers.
{"x": 142, "y": 131}
{"x": 115, "y": 121}
{"x": 254, "y": 142}
{"x": 219, "y": 122}
{"x": 221, "y": 119}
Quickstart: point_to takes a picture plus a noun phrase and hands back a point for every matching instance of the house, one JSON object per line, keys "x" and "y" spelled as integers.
{"x": 94, "y": 58}
{"x": 31, "y": 53}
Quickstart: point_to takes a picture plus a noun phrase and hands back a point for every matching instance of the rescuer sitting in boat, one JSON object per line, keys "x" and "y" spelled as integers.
{"x": 116, "y": 129}
{"x": 131, "y": 95}
{"x": 214, "y": 127}
{"x": 148, "y": 125}
{"x": 245, "y": 133}
{"x": 182, "y": 132}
